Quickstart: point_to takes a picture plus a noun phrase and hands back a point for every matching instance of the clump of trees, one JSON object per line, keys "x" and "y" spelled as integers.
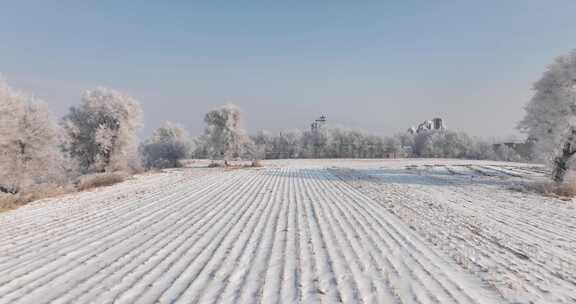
{"x": 37, "y": 154}
{"x": 167, "y": 147}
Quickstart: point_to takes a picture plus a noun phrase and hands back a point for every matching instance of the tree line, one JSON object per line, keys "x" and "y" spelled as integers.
{"x": 341, "y": 142}
{"x": 100, "y": 135}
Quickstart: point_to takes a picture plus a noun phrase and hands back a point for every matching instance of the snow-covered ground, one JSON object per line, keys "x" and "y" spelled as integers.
{"x": 298, "y": 231}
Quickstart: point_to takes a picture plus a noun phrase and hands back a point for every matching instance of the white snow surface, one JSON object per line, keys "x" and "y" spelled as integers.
{"x": 298, "y": 231}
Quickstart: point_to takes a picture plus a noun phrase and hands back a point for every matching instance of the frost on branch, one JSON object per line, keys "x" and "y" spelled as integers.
{"x": 101, "y": 132}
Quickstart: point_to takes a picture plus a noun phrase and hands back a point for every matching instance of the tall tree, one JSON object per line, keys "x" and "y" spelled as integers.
{"x": 101, "y": 132}
{"x": 551, "y": 115}
{"x": 29, "y": 141}
{"x": 224, "y": 135}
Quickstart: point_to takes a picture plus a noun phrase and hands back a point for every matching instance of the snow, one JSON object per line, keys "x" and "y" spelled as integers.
{"x": 297, "y": 231}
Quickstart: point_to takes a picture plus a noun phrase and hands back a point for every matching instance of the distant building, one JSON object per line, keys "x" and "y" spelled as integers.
{"x": 436, "y": 124}
{"x": 425, "y": 126}
{"x": 318, "y": 123}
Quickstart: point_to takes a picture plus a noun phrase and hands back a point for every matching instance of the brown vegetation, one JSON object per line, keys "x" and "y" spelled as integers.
{"x": 10, "y": 201}
{"x": 100, "y": 180}
{"x": 565, "y": 191}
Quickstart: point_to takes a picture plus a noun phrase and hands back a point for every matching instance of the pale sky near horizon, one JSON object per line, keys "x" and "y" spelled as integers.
{"x": 381, "y": 66}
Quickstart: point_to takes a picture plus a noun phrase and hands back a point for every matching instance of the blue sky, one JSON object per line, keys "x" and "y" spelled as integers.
{"x": 377, "y": 65}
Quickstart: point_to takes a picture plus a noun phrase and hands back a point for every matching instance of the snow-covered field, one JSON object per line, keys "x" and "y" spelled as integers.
{"x": 298, "y": 231}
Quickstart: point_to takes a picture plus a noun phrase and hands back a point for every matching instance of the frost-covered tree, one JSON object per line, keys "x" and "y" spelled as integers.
{"x": 314, "y": 143}
{"x": 200, "y": 147}
{"x": 224, "y": 136}
{"x": 506, "y": 153}
{"x": 481, "y": 149}
{"x": 452, "y": 144}
{"x": 264, "y": 144}
{"x": 375, "y": 147}
{"x": 551, "y": 115}
{"x": 29, "y": 142}
{"x": 102, "y": 131}
{"x": 350, "y": 143}
{"x": 448, "y": 144}
{"x": 407, "y": 142}
{"x": 394, "y": 147}
{"x": 421, "y": 144}
{"x": 288, "y": 142}
{"x": 168, "y": 145}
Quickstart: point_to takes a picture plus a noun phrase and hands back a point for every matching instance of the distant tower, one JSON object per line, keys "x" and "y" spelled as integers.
{"x": 321, "y": 121}
{"x": 314, "y": 126}
{"x": 425, "y": 126}
{"x": 438, "y": 124}
{"x": 318, "y": 123}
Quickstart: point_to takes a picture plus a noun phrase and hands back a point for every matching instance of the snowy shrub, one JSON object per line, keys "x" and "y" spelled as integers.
{"x": 167, "y": 147}
{"x": 96, "y": 180}
{"x": 29, "y": 142}
{"x": 224, "y": 136}
{"x": 101, "y": 132}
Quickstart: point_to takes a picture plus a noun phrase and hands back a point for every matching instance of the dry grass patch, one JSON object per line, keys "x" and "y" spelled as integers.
{"x": 12, "y": 201}
{"x": 9, "y": 201}
{"x": 567, "y": 189}
{"x": 100, "y": 180}
{"x": 564, "y": 191}
{"x": 237, "y": 164}
{"x": 257, "y": 163}
{"x": 216, "y": 165}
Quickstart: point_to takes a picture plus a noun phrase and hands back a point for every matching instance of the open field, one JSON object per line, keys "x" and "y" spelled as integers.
{"x": 298, "y": 231}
